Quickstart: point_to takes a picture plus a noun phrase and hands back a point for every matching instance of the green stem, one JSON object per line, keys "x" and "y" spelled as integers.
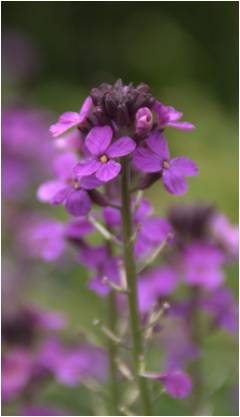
{"x": 130, "y": 267}
{"x": 112, "y": 354}
{"x": 196, "y": 366}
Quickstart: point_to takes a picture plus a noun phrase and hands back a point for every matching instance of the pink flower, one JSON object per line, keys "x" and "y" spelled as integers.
{"x": 169, "y": 117}
{"x": 102, "y": 154}
{"x": 154, "y": 156}
{"x": 71, "y": 119}
{"x": 177, "y": 383}
{"x": 16, "y": 372}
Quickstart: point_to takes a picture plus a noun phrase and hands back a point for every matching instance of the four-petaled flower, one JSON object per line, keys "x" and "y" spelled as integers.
{"x": 153, "y": 156}
{"x": 67, "y": 189}
{"x": 102, "y": 153}
{"x": 169, "y": 117}
{"x": 177, "y": 383}
{"x": 70, "y": 119}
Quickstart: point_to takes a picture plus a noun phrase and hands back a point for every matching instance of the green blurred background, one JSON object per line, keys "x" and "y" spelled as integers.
{"x": 187, "y": 53}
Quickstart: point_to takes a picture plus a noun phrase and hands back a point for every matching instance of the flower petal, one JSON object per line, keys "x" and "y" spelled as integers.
{"x": 90, "y": 182}
{"x": 147, "y": 161}
{"x": 174, "y": 182}
{"x": 86, "y": 167}
{"x": 65, "y": 122}
{"x": 97, "y": 285}
{"x": 63, "y": 164}
{"x": 158, "y": 144}
{"x": 84, "y": 110}
{"x": 48, "y": 189}
{"x": 185, "y": 166}
{"x": 185, "y": 126}
{"x": 121, "y": 147}
{"x": 98, "y": 139}
{"x": 177, "y": 383}
{"x": 108, "y": 171}
{"x": 167, "y": 113}
{"x": 60, "y": 196}
{"x": 155, "y": 229}
{"x": 78, "y": 203}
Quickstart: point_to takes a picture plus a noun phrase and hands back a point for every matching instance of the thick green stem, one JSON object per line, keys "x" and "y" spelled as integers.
{"x": 112, "y": 354}
{"x": 130, "y": 267}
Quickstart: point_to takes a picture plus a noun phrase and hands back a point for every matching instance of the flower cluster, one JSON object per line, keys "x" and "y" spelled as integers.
{"x": 115, "y": 122}
{"x": 109, "y": 152}
{"x": 35, "y": 354}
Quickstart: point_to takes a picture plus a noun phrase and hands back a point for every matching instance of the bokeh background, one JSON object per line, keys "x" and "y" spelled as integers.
{"x": 187, "y": 53}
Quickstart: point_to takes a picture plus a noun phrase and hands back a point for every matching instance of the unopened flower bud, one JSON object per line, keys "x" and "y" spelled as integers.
{"x": 143, "y": 119}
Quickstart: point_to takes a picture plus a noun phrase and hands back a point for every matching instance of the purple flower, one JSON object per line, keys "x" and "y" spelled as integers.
{"x": 223, "y": 307}
{"x": 112, "y": 216}
{"x": 155, "y": 284}
{"x": 143, "y": 120}
{"x": 152, "y": 232}
{"x": 71, "y": 365}
{"x": 102, "y": 153}
{"x": 225, "y": 233}
{"x": 16, "y": 372}
{"x": 48, "y": 320}
{"x": 169, "y": 117}
{"x": 177, "y": 383}
{"x": 176, "y": 341}
{"x": 201, "y": 265}
{"x": 67, "y": 189}
{"x": 104, "y": 265}
{"x": 42, "y": 238}
{"x": 77, "y": 229}
{"x": 154, "y": 156}
{"x": 70, "y": 119}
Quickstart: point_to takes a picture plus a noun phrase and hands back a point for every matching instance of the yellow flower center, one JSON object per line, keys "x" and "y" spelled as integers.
{"x": 103, "y": 158}
{"x": 76, "y": 184}
{"x": 165, "y": 164}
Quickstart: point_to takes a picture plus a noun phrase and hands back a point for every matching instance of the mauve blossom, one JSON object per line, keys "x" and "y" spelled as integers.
{"x": 101, "y": 162}
{"x": 143, "y": 120}
{"x": 226, "y": 233}
{"x": 15, "y": 178}
{"x": 72, "y": 365}
{"x": 67, "y": 189}
{"x": 48, "y": 320}
{"x": 175, "y": 339}
{"x": 177, "y": 383}
{"x": 222, "y": 306}
{"x": 42, "y": 238}
{"x": 104, "y": 266}
{"x": 16, "y": 372}
{"x": 70, "y": 119}
{"x": 202, "y": 264}
{"x": 75, "y": 230}
{"x": 155, "y": 284}
{"x": 24, "y": 135}
{"x": 154, "y": 156}
{"x": 169, "y": 117}
{"x": 151, "y": 232}
{"x": 141, "y": 210}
